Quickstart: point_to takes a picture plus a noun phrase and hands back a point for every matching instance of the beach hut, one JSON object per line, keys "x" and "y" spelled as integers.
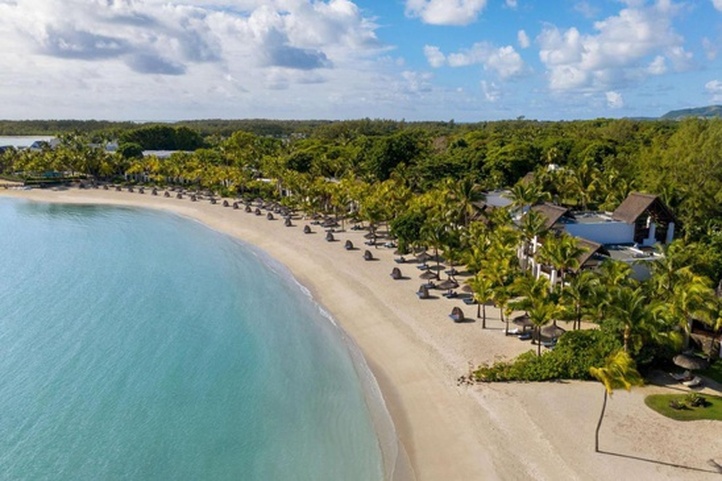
{"x": 348, "y": 245}
{"x": 368, "y": 256}
{"x": 306, "y": 229}
{"x": 423, "y": 292}
{"x": 329, "y": 237}
{"x": 457, "y": 315}
{"x": 269, "y": 216}
{"x": 396, "y": 274}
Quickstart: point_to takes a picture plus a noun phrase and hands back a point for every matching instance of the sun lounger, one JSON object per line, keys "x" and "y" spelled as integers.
{"x": 469, "y": 301}
{"x": 694, "y": 382}
{"x": 685, "y": 376}
{"x": 549, "y": 344}
{"x": 525, "y": 336}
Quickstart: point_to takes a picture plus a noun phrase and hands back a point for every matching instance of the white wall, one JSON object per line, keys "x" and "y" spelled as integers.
{"x": 603, "y": 232}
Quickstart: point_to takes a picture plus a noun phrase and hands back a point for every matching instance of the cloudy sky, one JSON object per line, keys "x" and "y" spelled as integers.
{"x": 466, "y": 60}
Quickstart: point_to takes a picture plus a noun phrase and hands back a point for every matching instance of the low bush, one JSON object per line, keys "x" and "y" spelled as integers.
{"x": 572, "y": 357}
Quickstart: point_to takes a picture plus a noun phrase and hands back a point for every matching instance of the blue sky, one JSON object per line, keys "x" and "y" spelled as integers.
{"x": 467, "y": 60}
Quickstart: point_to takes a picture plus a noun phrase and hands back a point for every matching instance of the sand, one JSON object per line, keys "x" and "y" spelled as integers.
{"x": 449, "y": 432}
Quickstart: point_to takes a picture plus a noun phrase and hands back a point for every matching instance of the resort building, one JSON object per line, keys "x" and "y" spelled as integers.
{"x": 628, "y": 234}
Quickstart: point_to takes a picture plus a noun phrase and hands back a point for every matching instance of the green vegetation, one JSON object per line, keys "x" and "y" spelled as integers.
{"x": 714, "y": 371}
{"x": 686, "y": 407}
{"x": 425, "y": 182}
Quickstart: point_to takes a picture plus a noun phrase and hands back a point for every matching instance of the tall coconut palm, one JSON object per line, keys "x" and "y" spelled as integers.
{"x": 619, "y": 371}
{"x": 692, "y": 298}
{"x": 482, "y": 288}
{"x": 578, "y": 297}
{"x": 630, "y": 310}
{"x": 562, "y": 253}
{"x": 464, "y": 193}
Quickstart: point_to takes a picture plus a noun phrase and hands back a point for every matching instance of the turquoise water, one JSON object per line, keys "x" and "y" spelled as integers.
{"x": 144, "y": 346}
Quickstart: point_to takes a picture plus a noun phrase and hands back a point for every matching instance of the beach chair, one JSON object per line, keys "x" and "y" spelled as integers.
{"x": 694, "y": 382}
{"x": 469, "y": 301}
{"x": 685, "y": 376}
{"x": 400, "y": 260}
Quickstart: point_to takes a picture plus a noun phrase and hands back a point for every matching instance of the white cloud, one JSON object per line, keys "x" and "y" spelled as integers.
{"x": 714, "y": 88}
{"x": 523, "y": 39}
{"x": 625, "y": 47}
{"x": 717, "y": 4}
{"x": 445, "y": 12}
{"x": 511, "y": 3}
{"x": 126, "y": 58}
{"x": 434, "y": 56}
{"x": 504, "y": 61}
{"x": 491, "y": 91}
{"x": 614, "y": 100}
{"x": 710, "y": 48}
{"x": 658, "y": 66}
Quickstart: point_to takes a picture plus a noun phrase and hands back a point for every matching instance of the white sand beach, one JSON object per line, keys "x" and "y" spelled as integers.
{"x": 487, "y": 431}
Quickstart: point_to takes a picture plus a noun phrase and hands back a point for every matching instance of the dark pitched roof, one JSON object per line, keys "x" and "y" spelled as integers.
{"x": 633, "y": 206}
{"x": 590, "y": 248}
{"x": 551, "y": 212}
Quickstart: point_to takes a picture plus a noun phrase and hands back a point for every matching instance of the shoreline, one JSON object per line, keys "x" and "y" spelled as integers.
{"x": 415, "y": 352}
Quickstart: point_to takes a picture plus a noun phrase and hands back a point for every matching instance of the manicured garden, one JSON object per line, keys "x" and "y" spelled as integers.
{"x": 686, "y": 407}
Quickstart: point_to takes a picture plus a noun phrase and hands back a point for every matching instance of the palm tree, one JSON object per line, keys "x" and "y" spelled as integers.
{"x": 483, "y": 291}
{"x": 578, "y": 297}
{"x": 619, "y": 371}
{"x": 537, "y": 300}
{"x": 562, "y": 253}
{"x": 532, "y": 226}
{"x": 541, "y": 312}
{"x": 464, "y": 193}
{"x": 692, "y": 298}
{"x": 630, "y": 309}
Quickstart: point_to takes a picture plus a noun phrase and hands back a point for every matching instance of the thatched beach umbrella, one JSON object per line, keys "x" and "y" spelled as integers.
{"x": 423, "y": 292}
{"x": 130, "y": 189}
{"x": 225, "y": 203}
{"x": 166, "y": 194}
{"x": 692, "y": 363}
{"x": 141, "y": 190}
{"x": 368, "y": 256}
{"x": 213, "y": 200}
{"x": 447, "y": 284}
{"x": 118, "y": 188}
{"x": 269, "y": 216}
{"x": 105, "y": 187}
{"x": 523, "y": 321}
{"x": 257, "y": 211}
{"x": 235, "y": 205}
{"x": 194, "y": 197}
{"x": 306, "y": 229}
{"x": 287, "y": 222}
{"x": 154, "y": 191}
{"x": 330, "y": 237}
{"x": 248, "y": 208}
{"x": 552, "y": 331}
{"x": 348, "y": 245}
{"x": 429, "y": 275}
{"x": 423, "y": 257}
{"x": 179, "y": 195}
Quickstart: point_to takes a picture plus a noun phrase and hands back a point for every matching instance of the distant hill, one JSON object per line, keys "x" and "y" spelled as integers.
{"x": 700, "y": 112}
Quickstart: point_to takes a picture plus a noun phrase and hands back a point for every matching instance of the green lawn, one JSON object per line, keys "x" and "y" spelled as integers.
{"x": 661, "y": 404}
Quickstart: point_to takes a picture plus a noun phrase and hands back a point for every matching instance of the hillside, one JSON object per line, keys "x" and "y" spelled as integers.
{"x": 700, "y": 112}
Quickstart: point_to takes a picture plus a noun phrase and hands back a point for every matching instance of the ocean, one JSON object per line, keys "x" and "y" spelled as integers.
{"x": 140, "y": 345}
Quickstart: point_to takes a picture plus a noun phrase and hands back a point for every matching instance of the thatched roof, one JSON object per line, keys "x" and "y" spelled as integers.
{"x": 368, "y": 255}
{"x": 457, "y": 315}
{"x": 590, "y": 248}
{"x": 552, "y": 213}
{"x": 637, "y": 204}
{"x": 396, "y": 273}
